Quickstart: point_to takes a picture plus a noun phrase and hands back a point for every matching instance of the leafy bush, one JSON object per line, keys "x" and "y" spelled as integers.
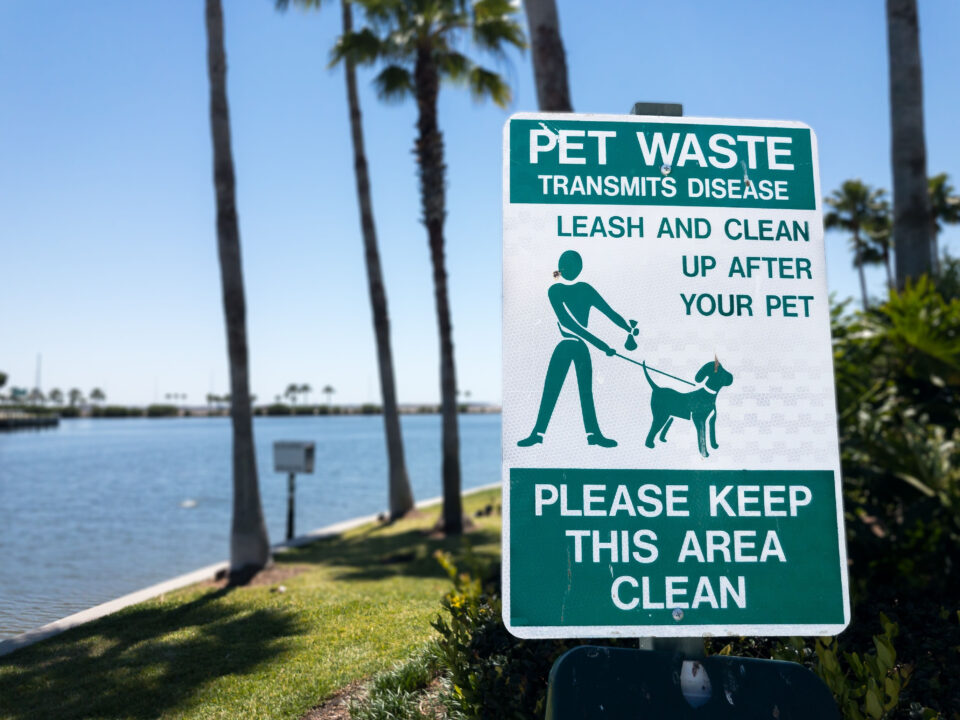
{"x": 278, "y": 409}
{"x": 411, "y": 676}
{"x": 898, "y": 387}
{"x": 395, "y": 694}
{"x": 116, "y": 411}
{"x": 156, "y": 411}
{"x": 865, "y": 687}
{"x": 387, "y": 705}
{"x": 491, "y": 674}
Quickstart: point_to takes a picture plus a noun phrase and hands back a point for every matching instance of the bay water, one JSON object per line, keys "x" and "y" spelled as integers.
{"x": 98, "y": 508}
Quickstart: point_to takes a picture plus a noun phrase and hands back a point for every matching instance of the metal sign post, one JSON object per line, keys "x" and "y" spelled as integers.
{"x": 292, "y": 457}
{"x": 291, "y": 501}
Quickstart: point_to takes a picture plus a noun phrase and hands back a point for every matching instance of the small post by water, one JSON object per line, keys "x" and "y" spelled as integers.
{"x": 291, "y": 503}
{"x": 292, "y": 457}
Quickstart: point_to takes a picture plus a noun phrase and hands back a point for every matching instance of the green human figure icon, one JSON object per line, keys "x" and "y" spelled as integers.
{"x": 572, "y": 303}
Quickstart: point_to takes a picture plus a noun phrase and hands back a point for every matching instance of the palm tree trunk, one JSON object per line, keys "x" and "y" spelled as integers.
{"x": 429, "y": 151}
{"x": 887, "y": 266}
{"x": 858, "y": 261}
{"x": 549, "y": 58}
{"x": 249, "y": 545}
{"x": 911, "y": 202}
{"x": 400, "y": 494}
{"x": 934, "y": 246}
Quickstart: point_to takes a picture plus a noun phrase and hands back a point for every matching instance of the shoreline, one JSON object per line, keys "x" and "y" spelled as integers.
{"x": 208, "y": 572}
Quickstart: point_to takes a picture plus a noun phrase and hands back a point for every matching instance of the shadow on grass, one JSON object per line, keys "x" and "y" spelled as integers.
{"x": 379, "y": 553}
{"x": 139, "y": 663}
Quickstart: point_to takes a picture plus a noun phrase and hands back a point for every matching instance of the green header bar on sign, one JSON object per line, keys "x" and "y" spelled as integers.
{"x": 600, "y": 162}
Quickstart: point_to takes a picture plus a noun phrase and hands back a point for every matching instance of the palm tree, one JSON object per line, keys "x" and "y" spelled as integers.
{"x": 549, "y": 58}
{"x": 911, "y": 202}
{"x": 97, "y": 395}
{"x": 399, "y": 491}
{"x": 328, "y": 391}
{"x": 291, "y": 392}
{"x": 249, "y": 545}
{"x": 857, "y": 208}
{"x": 880, "y": 242}
{"x": 55, "y": 396}
{"x": 944, "y": 208}
{"x": 75, "y": 397}
{"x": 3, "y": 379}
{"x": 37, "y": 397}
{"x": 416, "y": 42}
{"x": 305, "y": 389}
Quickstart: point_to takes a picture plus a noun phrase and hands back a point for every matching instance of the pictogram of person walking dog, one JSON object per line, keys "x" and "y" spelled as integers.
{"x": 572, "y": 302}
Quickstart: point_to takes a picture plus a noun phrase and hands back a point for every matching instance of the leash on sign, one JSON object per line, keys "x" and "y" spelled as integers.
{"x": 648, "y": 367}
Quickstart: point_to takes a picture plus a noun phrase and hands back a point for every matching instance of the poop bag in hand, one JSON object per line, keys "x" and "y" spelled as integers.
{"x": 631, "y": 344}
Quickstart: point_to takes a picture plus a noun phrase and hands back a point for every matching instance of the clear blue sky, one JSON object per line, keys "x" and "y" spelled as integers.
{"x": 107, "y": 243}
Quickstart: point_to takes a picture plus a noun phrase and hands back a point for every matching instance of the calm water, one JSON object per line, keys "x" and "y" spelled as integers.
{"x": 95, "y": 509}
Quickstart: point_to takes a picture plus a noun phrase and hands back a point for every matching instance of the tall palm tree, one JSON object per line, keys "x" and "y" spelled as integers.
{"x": 549, "y": 58}
{"x": 416, "y": 42}
{"x": 857, "y": 208}
{"x": 97, "y": 395}
{"x": 55, "y": 395}
{"x": 944, "y": 208}
{"x": 911, "y": 203}
{"x": 249, "y": 545}
{"x": 76, "y": 397}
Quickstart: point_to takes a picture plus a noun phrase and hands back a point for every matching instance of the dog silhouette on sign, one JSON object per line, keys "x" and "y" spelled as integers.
{"x": 699, "y": 406}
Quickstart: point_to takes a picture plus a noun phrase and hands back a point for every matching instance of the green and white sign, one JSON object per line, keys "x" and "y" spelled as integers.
{"x": 670, "y": 455}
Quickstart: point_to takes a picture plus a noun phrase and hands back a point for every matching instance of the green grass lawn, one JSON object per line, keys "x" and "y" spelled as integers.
{"x": 363, "y": 601}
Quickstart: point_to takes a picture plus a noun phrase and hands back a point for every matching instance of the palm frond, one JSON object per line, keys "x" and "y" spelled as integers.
{"x": 487, "y": 84}
{"x": 363, "y": 47}
{"x": 453, "y": 65}
{"x": 382, "y": 10}
{"x": 494, "y": 26}
{"x": 394, "y": 83}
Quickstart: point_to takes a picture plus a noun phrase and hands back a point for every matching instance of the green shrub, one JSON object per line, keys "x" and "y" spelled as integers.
{"x": 396, "y": 694}
{"x": 412, "y": 675}
{"x": 278, "y": 409}
{"x": 116, "y": 411}
{"x": 491, "y": 673}
{"x": 388, "y": 705}
{"x": 156, "y": 411}
{"x": 866, "y": 686}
